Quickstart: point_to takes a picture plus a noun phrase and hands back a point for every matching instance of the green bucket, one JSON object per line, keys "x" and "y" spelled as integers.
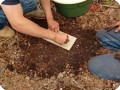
{"x": 73, "y": 10}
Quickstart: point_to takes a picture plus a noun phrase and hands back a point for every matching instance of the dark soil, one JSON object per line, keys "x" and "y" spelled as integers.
{"x": 25, "y": 61}
{"x": 43, "y": 59}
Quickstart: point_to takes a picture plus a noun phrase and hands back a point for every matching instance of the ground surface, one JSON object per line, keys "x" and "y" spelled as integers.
{"x": 28, "y": 63}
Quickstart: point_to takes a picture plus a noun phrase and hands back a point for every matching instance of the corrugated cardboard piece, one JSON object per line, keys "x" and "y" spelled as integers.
{"x": 67, "y": 46}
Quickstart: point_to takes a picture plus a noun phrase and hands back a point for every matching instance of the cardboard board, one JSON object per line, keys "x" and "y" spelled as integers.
{"x": 1, "y": 88}
{"x": 118, "y": 88}
{"x": 67, "y": 46}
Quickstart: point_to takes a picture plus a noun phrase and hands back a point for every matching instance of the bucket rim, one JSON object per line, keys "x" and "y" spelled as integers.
{"x": 66, "y": 1}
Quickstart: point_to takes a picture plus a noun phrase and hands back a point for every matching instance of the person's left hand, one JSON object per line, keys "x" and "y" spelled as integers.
{"x": 53, "y": 25}
{"x": 117, "y": 24}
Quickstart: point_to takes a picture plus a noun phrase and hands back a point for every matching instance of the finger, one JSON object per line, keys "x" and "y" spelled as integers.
{"x": 50, "y": 29}
{"x": 67, "y": 40}
{"x": 117, "y": 30}
{"x": 117, "y": 24}
{"x": 53, "y": 28}
{"x": 56, "y": 29}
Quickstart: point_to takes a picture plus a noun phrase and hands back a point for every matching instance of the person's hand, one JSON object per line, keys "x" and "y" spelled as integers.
{"x": 61, "y": 38}
{"x": 53, "y": 25}
{"x": 117, "y": 24}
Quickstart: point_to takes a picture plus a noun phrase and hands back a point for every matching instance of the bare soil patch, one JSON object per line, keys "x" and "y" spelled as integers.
{"x": 44, "y": 59}
{"x": 29, "y": 63}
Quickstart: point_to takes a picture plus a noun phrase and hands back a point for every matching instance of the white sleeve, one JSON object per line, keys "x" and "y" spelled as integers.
{"x": 1, "y": 1}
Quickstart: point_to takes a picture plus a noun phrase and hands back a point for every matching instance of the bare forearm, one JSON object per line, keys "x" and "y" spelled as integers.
{"x": 47, "y": 8}
{"x": 24, "y": 25}
{"x": 28, "y": 27}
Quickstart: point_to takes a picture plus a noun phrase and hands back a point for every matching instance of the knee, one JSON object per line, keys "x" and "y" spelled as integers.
{"x": 102, "y": 36}
{"x": 28, "y": 5}
{"x": 34, "y": 3}
{"x": 108, "y": 40}
{"x": 3, "y": 22}
{"x": 92, "y": 64}
{"x": 105, "y": 66}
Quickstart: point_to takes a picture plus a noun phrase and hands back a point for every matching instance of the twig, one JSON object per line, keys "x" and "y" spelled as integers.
{"x": 109, "y": 6}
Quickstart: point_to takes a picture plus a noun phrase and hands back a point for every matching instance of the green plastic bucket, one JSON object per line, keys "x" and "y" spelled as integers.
{"x": 73, "y": 10}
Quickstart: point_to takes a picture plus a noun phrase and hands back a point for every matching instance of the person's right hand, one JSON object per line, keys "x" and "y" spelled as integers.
{"x": 61, "y": 38}
{"x": 117, "y": 24}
